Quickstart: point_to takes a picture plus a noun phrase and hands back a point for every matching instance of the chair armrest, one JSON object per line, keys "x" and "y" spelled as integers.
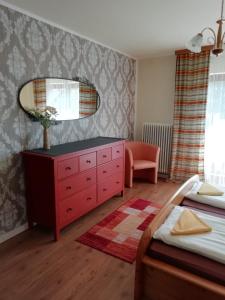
{"x": 129, "y": 161}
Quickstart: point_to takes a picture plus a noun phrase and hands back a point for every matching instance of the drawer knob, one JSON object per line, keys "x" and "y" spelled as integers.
{"x": 104, "y": 190}
{"x": 117, "y": 166}
{"x": 104, "y": 156}
{"x": 118, "y": 151}
{"x": 88, "y": 178}
{"x": 68, "y": 187}
{"x": 104, "y": 172}
{"x": 68, "y": 168}
{"x": 69, "y": 209}
{"x": 88, "y": 161}
{"x": 117, "y": 182}
{"x": 89, "y": 198}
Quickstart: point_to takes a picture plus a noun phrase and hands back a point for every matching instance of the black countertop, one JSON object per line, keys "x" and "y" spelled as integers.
{"x": 76, "y": 146}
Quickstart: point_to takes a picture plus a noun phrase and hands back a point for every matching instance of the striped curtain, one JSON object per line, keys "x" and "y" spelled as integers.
{"x": 39, "y": 86}
{"x": 192, "y": 72}
{"x": 88, "y": 100}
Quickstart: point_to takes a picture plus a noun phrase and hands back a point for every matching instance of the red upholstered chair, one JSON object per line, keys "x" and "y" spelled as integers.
{"x": 141, "y": 160}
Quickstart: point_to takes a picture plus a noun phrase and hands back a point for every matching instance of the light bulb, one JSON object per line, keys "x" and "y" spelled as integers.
{"x": 195, "y": 44}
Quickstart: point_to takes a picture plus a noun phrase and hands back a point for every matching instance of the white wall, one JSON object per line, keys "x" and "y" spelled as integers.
{"x": 155, "y": 91}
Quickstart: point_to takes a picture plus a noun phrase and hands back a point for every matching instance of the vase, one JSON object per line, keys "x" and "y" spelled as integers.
{"x": 46, "y": 142}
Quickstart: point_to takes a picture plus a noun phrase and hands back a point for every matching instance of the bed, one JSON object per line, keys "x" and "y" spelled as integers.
{"x": 165, "y": 273}
{"x": 214, "y": 204}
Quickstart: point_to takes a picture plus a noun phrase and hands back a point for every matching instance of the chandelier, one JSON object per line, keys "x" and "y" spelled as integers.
{"x": 194, "y": 45}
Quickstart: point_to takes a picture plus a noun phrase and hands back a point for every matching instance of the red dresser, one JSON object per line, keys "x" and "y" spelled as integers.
{"x": 71, "y": 179}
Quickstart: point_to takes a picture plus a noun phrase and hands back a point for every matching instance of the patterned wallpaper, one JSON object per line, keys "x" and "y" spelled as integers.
{"x": 31, "y": 49}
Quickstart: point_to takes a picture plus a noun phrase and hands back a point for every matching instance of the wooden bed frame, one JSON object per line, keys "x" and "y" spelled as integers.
{"x": 157, "y": 280}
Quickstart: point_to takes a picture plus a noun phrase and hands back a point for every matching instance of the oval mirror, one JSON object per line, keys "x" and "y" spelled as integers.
{"x": 72, "y": 99}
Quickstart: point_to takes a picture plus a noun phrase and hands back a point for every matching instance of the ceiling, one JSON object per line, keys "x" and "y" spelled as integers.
{"x": 140, "y": 29}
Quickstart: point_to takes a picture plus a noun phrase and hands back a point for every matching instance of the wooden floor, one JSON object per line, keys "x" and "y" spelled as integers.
{"x": 32, "y": 266}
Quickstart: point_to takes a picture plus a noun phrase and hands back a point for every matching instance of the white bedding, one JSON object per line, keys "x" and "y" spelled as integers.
{"x": 210, "y": 244}
{"x": 217, "y": 201}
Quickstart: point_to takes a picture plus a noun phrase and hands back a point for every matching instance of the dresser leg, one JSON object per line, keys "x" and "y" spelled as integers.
{"x": 122, "y": 192}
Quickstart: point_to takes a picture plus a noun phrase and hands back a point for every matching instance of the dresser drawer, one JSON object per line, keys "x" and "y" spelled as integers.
{"x": 77, "y": 205}
{"x": 110, "y": 187}
{"x": 117, "y": 151}
{"x": 87, "y": 161}
{"x": 67, "y": 167}
{"x": 104, "y": 155}
{"x": 88, "y": 199}
{"x": 85, "y": 179}
{"x": 67, "y": 187}
{"x": 76, "y": 183}
{"x": 109, "y": 169}
{"x": 118, "y": 165}
{"x": 69, "y": 210}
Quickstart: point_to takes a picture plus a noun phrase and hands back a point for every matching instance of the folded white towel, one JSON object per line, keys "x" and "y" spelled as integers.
{"x": 210, "y": 244}
{"x": 209, "y": 190}
{"x": 216, "y": 201}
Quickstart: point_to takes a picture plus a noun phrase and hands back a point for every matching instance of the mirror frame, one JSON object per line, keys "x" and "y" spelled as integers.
{"x": 55, "y": 122}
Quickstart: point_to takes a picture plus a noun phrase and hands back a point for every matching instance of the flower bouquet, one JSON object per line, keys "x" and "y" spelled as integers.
{"x": 46, "y": 116}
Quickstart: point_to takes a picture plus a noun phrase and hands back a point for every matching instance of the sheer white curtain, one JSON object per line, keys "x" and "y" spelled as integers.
{"x": 215, "y": 130}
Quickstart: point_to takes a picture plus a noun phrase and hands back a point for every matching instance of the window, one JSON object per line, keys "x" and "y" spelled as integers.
{"x": 64, "y": 96}
{"x": 215, "y": 130}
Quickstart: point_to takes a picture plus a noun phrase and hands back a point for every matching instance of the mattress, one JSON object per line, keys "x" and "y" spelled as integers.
{"x": 186, "y": 260}
{"x": 210, "y": 244}
{"x": 194, "y": 263}
{"x": 201, "y": 206}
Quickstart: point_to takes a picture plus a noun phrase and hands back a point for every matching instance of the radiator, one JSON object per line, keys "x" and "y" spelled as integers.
{"x": 160, "y": 135}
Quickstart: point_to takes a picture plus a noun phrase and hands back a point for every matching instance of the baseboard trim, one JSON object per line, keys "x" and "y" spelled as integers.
{"x": 163, "y": 175}
{"x": 13, "y": 233}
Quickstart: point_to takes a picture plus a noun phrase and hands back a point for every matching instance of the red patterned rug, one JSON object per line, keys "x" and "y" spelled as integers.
{"x": 118, "y": 234}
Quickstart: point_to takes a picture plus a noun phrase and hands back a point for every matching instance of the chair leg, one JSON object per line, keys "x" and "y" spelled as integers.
{"x": 129, "y": 178}
{"x": 153, "y": 175}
